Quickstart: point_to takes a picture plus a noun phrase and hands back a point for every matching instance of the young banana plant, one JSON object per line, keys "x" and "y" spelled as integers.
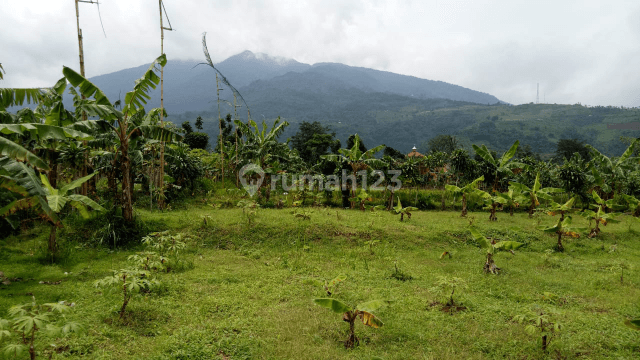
{"x": 634, "y": 204}
{"x": 563, "y": 228}
{"x": 464, "y": 192}
{"x": 535, "y": 193}
{"x": 561, "y": 209}
{"x": 58, "y": 198}
{"x": 363, "y": 311}
{"x": 511, "y": 199}
{"x": 600, "y": 217}
{"x": 360, "y": 199}
{"x": 330, "y": 287}
{"x": 492, "y": 203}
{"x": 493, "y": 246}
{"x": 404, "y": 211}
{"x": 609, "y": 204}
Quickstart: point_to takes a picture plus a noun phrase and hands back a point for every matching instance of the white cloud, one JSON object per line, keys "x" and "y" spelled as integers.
{"x": 579, "y": 51}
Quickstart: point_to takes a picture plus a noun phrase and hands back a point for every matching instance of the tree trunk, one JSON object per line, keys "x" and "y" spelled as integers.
{"x": 91, "y": 184}
{"x": 132, "y": 176}
{"x": 352, "y": 340}
{"x": 560, "y": 247}
{"x": 464, "y": 205}
{"x": 345, "y": 199}
{"x": 127, "y": 205}
{"x": 492, "y": 215}
{"x": 391, "y": 200}
{"x": 52, "y": 176}
{"x": 53, "y": 245}
{"x": 490, "y": 265}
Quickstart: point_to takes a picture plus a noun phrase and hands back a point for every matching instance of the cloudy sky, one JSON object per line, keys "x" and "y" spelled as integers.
{"x": 584, "y": 51}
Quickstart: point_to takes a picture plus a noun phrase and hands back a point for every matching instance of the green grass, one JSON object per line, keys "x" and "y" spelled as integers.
{"x": 248, "y": 295}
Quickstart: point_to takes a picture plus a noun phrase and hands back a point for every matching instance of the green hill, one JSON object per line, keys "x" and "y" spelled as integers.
{"x": 402, "y": 122}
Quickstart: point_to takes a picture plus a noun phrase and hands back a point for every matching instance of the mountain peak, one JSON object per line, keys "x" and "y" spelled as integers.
{"x": 247, "y": 54}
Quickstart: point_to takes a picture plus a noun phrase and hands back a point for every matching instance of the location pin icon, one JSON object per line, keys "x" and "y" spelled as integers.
{"x": 253, "y": 185}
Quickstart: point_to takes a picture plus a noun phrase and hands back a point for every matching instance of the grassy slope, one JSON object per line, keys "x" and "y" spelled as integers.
{"x": 246, "y": 296}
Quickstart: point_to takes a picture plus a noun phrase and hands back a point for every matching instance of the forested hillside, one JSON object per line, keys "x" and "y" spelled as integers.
{"x": 402, "y": 122}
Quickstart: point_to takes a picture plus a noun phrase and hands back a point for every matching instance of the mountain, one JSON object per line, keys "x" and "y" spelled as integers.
{"x": 192, "y": 87}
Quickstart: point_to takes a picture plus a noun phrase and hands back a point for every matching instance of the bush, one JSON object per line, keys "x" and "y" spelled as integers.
{"x": 106, "y": 229}
{"x": 184, "y": 167}
{"x": 197, "y": 140}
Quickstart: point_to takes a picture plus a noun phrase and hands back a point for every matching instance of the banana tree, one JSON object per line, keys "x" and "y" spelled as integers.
{"x": 97, "y": 104}
{"x": 361, "y": 198}
{"x": 503, "y": 166}
{"x": 50, "y": 116}
{"x": 19, "y": 166}
{"x": 22, "y": 180}
{"x": 563, "y": 228}
{"x": 492, "y": 203}
{"x": 465, "y": 191}
{"x": 493, "y": 246}
{"x": 561, "y": 209}
{"x": 608, "y": 173}
{"x": 605, "y": 205}
{"x": 634, "y": 204}
{"x": 261, "y": 144}
{"x": 600, "y": 216}
{"x": 357, "y": 159}
{"x": 364, "y": 311}
{"x": 262, "y": 147}
{"x": 58, "y": 198}
{"x": 48, "y": 140}
{"x": 511, "y": 199}
{"x": 404, "y": 210}
{"x": 534, "y": 193}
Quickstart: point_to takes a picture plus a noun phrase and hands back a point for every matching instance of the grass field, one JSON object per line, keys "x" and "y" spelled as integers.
{"x": 249, "y": 292}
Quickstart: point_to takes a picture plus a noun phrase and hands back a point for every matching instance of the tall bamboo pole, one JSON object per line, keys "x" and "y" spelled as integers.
{"x": 85, "y": 162}
{"x": 220, "y": 128}
{"x": 160, "y": 178}
{"x": 235, "y": 117}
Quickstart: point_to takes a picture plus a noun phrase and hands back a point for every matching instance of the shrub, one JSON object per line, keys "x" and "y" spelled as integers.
{"x": 197, "y": 140}
{"x": 28, "y": 320}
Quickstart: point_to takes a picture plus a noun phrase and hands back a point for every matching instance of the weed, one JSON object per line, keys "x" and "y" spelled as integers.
{"x": 398, "y": 274}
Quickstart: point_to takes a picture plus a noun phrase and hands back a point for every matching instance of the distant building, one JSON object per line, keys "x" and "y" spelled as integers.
{"x": 414, "y": 153}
